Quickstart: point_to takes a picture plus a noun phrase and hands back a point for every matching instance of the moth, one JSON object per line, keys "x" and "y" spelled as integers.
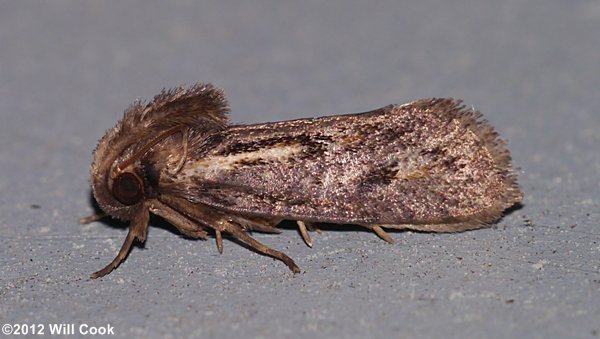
{"x": 429, "y": 165}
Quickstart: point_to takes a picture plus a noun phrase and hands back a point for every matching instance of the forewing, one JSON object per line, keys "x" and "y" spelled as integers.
{"x": 430, "y": 161}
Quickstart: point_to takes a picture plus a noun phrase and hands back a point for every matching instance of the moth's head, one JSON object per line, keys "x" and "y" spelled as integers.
{"x": 119, "y": 187}
{"x": 124, "y": 172}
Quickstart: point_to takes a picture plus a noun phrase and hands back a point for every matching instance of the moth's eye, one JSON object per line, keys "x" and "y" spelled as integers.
{"x": 128, "y": 188}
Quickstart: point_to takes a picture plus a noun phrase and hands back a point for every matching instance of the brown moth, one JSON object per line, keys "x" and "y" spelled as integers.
{"x": 430, "y": 165}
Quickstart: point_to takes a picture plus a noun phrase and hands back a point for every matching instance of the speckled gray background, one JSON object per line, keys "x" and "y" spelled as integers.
{"x": 68, "y": 69}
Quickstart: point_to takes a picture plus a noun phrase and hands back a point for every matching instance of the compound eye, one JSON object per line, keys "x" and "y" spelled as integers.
{"x": 128, "y": 188}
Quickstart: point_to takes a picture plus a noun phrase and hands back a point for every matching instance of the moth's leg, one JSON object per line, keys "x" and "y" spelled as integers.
{"x": 183, "y": 224}
{"x": 195, "y": 229}
{"x": 219, "y": 238}
{"x": 239, "y": 233}
{"x": 380, "y": 232}
{"x": 137, "y": 230}
{"x": 92, "y": 218}
{"x": 304, "y": 233}
{"x": 222, "y": 223}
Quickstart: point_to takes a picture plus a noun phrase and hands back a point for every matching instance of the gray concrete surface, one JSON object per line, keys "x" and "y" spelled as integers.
{"x": 68, "y": 69}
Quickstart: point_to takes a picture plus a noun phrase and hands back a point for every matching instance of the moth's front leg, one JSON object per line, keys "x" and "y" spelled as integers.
{"x": 138, "y": 229}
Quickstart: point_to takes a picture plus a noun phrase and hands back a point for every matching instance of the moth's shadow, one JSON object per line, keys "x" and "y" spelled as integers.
{"x": 513, "y": 208}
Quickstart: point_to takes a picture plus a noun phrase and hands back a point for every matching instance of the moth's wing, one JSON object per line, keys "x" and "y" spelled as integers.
{"x": 425, "y": 163}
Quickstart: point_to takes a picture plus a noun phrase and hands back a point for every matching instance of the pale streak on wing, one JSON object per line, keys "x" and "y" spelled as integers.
{"x": 279, "y": 153}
